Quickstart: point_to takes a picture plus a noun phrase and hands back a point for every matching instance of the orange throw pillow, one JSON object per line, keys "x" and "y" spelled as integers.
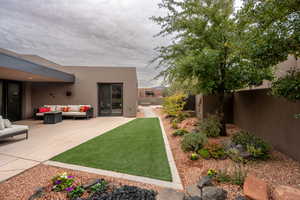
{"x": 65, "y": 109}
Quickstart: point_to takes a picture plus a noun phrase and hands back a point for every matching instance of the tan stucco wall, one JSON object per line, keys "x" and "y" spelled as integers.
{"x": 84, "y": 90}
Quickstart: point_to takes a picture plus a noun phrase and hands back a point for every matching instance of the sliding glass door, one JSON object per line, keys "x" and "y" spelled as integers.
{"x": 110, "y": 97}
{"x": 11, "y": 100}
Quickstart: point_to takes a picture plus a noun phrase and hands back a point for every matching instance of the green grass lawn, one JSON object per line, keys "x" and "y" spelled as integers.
{"x": 135, "y": 148}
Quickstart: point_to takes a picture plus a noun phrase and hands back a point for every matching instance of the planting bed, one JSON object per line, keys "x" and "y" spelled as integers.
{"x": 278, "y": 170}
{"x": 21, "y": 187}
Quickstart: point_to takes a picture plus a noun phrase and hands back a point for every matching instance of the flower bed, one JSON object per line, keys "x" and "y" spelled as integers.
{"x": 278, "y": 170}
{"x": 21, "y": 187}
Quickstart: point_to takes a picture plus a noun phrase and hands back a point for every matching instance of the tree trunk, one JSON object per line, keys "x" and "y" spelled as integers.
{"x": 222, "y": 113}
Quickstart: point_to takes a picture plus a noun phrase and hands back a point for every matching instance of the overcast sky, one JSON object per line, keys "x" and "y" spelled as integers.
{"x": 84, "y": 32}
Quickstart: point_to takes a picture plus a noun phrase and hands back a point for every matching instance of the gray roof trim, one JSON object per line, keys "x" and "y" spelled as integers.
{"x": 16, "y": 63}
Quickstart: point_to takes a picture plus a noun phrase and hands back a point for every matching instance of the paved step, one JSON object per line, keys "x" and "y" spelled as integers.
{"x": 169, "y": 194}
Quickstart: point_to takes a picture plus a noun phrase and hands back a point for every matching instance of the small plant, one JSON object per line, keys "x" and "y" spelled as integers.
{"x": 258, "y": 148}
{"x": 99, "y": 187}
{"x": 204, "y": 153}
{"x": 75, "y": 192}
{"x": 211, "y": 126}
{"x": 212, "y": 173}
{"x": 180, "y": 132}
{"x": 223, "y": 176}
{"x": 174, "y": 124}
{"x": 62, "y": 181}
{"x": 216, "y": 151}
{"x": 194, "y": 156}
{"x": 237, "y": 177}
{"x": 193, "y": 142}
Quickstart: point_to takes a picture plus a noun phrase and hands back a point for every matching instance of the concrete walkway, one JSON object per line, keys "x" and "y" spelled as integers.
{"x": 46, "y": 141}
{"x": 148, "y": 111}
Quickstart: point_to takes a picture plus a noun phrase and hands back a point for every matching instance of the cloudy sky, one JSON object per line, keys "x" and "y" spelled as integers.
{"x": 84, "y": 32}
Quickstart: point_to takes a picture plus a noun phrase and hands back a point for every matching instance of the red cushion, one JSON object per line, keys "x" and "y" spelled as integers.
{"x": 44, "y": 109}
{"x": 84, "y": 108}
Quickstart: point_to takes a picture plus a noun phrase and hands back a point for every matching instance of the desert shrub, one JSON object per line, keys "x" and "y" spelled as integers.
{"x": 216, "y": 151}
{"x": 194, "y": 156}
{"x": 236, "y": 177}
{"x": 210, "y": 126}
{"x": 173, "y": 105}
{"x": 180, "y": 132}
{"x": 257, "y": 147}
{"x": 62, "y": 182}
{"x": 193, "y": 141}
{"x": 204, "y": 153}
{"x": 76, "y": 192}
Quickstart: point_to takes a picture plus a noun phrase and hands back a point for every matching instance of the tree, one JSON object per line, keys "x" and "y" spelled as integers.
{"x": 210, "y": 46}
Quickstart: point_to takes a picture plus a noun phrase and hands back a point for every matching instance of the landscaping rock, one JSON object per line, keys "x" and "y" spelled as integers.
{"x": 241, "y": 198}
{"x": 169, "y": 194}
{"x": 255, "y": 188}
{"x": 193, "y": 198}
{"x": 213, "y": 193}
{"x": 204, "y": 181}
{"x": 193, "y": 190}
{"x": 245, "y": 155}
{"x": 91, "y": 183}
{"x": 38, "y": 193}
{"x": 286, "y": 193}
{"x": 240, "y": 148}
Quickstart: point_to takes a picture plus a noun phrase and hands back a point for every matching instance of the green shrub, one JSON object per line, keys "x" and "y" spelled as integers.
{"x": 258, "y": 148}
{"x": 211, "y": 173}
{"x": 204, "y": 153}
{"x": 99, "y": 187}
{"x": 211, "y": 126}
{"x": 216, "y": 151}
{"x": 180, "y": 132}
{"x": 61, "y": 182}
{"x": 194, "y": 156}
{"x": 76, "y": 192}
{"x": 237, "y": 177}
{"x": 193, "y": 141}
{"x": 173, "y": 105}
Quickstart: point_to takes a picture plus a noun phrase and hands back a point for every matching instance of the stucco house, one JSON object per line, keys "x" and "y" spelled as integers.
{"x": 30, "y": 81}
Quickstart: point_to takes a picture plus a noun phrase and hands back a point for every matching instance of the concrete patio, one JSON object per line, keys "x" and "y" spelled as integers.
{"x": 48, "y": 140}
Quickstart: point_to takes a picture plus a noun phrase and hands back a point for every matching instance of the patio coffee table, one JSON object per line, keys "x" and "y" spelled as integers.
{"x": 52, "y": 117}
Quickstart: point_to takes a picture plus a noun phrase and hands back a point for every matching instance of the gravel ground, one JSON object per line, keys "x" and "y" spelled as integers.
{"x": 279, "y": 170}
{"x": 21, "y": 187}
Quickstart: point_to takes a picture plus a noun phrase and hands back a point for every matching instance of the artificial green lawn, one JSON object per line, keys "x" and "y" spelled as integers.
{"x": 135, "y": 148}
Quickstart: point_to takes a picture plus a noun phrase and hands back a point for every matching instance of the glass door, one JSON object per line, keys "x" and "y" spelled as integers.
{"x": 11, "y": 100}
{"x": 110, "y": 97}
{"x": 14, "y": 100}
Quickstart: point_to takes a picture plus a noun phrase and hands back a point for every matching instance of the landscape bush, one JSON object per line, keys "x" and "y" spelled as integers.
{"x": 99, "y": 187}
{"x": 216, "y": 151}
{"x": 193, "y": 142}
{"x": 194, "y": 156}
{"x": 257, "y": 147}
{"x": 204, "y": 153}
{"x": 236, "y": 177}
{"x": 173, "y": 105}
{"x": 211, "y": 126}
{"x": 180, "y": 132}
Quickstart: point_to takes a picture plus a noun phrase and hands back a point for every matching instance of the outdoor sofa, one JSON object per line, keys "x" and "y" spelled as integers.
{"x": 68, "y": 111}
{"x": 9, "y": 130}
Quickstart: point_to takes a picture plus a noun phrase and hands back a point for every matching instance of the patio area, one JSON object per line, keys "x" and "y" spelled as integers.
{"x": 46, "y": 141}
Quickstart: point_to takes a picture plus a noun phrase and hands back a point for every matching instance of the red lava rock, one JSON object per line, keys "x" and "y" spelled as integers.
{"x": 286, "y": 193}
{"x": 255, "y": 188}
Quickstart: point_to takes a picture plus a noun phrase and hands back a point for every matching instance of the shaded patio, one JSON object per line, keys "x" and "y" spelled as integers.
{"x": 46, "y": 141}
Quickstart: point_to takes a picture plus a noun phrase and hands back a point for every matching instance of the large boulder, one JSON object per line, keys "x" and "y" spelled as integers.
{"x": 193, "y": 190}
{"x": 213, "y": 193}
{"x": 255, "y": 188}
{"x": 204, "y": 181}
{"x": 286, "y": 193}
